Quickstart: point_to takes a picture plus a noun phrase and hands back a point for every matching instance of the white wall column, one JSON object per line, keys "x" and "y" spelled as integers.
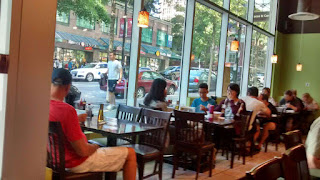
{"x": 29, "y": 78}
{"x": 187, "y": 50}
{"x": 134, "y": 54}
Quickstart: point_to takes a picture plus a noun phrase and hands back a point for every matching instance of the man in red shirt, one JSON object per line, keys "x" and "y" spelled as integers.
{"x": 80, "y": 156}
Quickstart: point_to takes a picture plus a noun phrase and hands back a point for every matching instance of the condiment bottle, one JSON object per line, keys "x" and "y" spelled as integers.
{"x": 100, "y": 115}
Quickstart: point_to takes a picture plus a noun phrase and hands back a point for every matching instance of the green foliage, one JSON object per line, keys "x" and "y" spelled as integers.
{"x": 87, "y": 9}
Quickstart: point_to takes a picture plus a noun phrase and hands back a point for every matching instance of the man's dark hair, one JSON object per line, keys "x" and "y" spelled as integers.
{"x": 253, "y": 91}
{"x": 264, "y": 97}
{"x": 113, "y": 52}
{"x": 203, "y": 85}
{"x": 288, "y": 92}
{"x": 267, "y": 89}
{"x": 235, "y": 87}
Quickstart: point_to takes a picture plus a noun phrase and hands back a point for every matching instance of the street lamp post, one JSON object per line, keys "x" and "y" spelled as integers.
{"x": 124, "y": 30}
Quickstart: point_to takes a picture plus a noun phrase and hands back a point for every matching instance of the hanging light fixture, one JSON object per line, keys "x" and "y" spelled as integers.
{"x": 303, "y": 12}
{"x": 235, "y": 45}
{"x": 274, "y": 58}
{"x": 143, "y": 18}
{"x": 299, "y": 67}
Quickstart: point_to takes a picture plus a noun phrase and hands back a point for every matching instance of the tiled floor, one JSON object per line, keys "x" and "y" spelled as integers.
{"x": 222, "y": 170}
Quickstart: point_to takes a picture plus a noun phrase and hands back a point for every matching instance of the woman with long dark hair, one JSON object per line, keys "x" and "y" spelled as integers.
{"x": 157, "y": 95}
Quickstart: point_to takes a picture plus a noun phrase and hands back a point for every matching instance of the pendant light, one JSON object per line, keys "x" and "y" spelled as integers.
{"x": 299, "y": 65}
{"x": 235, "y": 45}
{"x": 303, "y": 12}
{"x": 143, "y": 18}
{"x": 274, "y": 59}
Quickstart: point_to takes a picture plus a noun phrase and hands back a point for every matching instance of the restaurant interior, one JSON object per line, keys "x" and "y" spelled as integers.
{"x": 203, "y": 89}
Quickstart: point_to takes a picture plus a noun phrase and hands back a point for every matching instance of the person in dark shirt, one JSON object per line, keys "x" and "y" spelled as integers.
{"x": 267, "y": 122}
{"x": 291, "y": 102}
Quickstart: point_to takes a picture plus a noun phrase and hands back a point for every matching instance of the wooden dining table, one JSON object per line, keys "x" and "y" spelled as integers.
{"x": 114, "y": 129}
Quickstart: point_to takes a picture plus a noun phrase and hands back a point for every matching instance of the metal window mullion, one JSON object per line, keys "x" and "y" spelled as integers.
{"x": 246, "y": 63}
{"x": 250, "y": 10}
{"x": 269, "y": 53}
{"x": 222, "y": 53}
{"x": 186, "y": 52}
{"x": 134, "y": 54}
{"x": 273, "y": 15}
{"x": 226, "y": 4}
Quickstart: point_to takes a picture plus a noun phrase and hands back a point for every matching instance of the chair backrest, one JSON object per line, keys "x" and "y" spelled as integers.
{"x": 292, "y": 138}
{"x": 269, "y": 170}
{"x": 295, "y": 163}
{"x": 55, "y": 149}
{"x": 242, "y": 124}
{"x": 149, "y": 107}
{"x": 128, "y": 113}
{"x": 155, "y": 139}
{"x": 189, "y": 128}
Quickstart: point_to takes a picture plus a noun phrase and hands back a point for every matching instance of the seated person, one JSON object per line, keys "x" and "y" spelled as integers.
{"x": 201, "y": 104}
{"x": 157, "y": 95}
{"x": 257, "y": 107}
{"x": 267, "y": 92}
{"x": 291, "y": 102}
{"x": 309, "y": 103}
{"x": 313, "y": 149}
{"x": 294, "y": 92}
{"x": 267, "y": 123}
{"x": 232, "y": 106}
{"x": 80, "y": 156}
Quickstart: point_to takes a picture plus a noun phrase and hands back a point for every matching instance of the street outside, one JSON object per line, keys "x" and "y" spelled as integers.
{"x": 91, "y": 93}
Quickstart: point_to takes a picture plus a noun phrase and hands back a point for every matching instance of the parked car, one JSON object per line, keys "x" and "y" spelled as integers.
{"x": 172, "y": 72}
{"x": 145, "y": 79}
{"x": 90, "y": 71}
{"x": 198, "y": 76}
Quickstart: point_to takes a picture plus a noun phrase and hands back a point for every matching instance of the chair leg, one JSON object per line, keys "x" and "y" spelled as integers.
{"x": 211, "y": 162}
{"x": 198, "y": 164}
{"x": 160, "y": 167}
{"x": 266, "y": 146}
{"x": 243, "y": 151}
{"x": 232, "y": 155}
{"x": 140, "y": 169}
{"x": 175, "y": 162}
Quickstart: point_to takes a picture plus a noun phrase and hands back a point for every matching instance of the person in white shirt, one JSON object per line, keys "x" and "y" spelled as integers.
{"x": 114, "y": 77}
{"x": 267, "y": 92}
{"x": 257, "y": 107}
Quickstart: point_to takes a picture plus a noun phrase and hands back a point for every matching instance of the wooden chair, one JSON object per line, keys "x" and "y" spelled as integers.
{"x": 190, "y": 139}
{"x": 56, "y": 156}
{"x": 151, "y": 146}
{"x": 295, "y": 163}
{"x": 269, "y": 170}
{"x": 239, "y": 142}
{"x": 274, "y": 135}
{"x": 148, "y": 107}
{"x": 292, "y": 138}
{"x": 124, "y": 113}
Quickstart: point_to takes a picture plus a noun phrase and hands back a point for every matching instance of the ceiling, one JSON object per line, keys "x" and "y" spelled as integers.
{"x": 288, "y": 26}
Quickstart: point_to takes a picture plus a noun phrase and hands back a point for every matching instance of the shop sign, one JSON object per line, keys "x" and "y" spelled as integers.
{"x": 128, "y": 29}
{"x": 169, "y": 41}
{"x": 88, "y": 48}
{"x": 260, "y": 16}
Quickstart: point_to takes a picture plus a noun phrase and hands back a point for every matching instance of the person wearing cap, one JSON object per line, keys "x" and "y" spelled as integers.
{"x": 80, "y": 156}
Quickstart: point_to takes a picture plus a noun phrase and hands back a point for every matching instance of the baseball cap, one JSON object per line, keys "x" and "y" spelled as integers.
{"x": 61, "y": 76}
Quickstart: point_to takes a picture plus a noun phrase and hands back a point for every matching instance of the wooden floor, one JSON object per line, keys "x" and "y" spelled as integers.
{"x": 222, "y": 170}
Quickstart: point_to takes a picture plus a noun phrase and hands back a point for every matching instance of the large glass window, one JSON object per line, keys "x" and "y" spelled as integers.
{"x": 257, "y": 70}
{"x": 239, "y": 7}
{"x": 218, "y": 2}
{"x": 146, "y": 35}
{"x": 88, "y": 51}
{"x": 62, "y": 17}
{"x": 161, "y": 38}
{"x": 106, "y": 27}
{"x": 262, "y": 12}
{"x": 234, "y": 57}
{"x": 83, "y": 23}
{"x": 205, "y": 50}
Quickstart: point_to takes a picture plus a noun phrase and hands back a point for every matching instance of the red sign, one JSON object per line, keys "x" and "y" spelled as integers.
{"x": 128, "y": 29}
{"x": 88, "y": 48}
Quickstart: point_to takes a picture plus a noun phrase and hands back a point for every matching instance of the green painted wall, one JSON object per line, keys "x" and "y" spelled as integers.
{"x": 285, "y": 75}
